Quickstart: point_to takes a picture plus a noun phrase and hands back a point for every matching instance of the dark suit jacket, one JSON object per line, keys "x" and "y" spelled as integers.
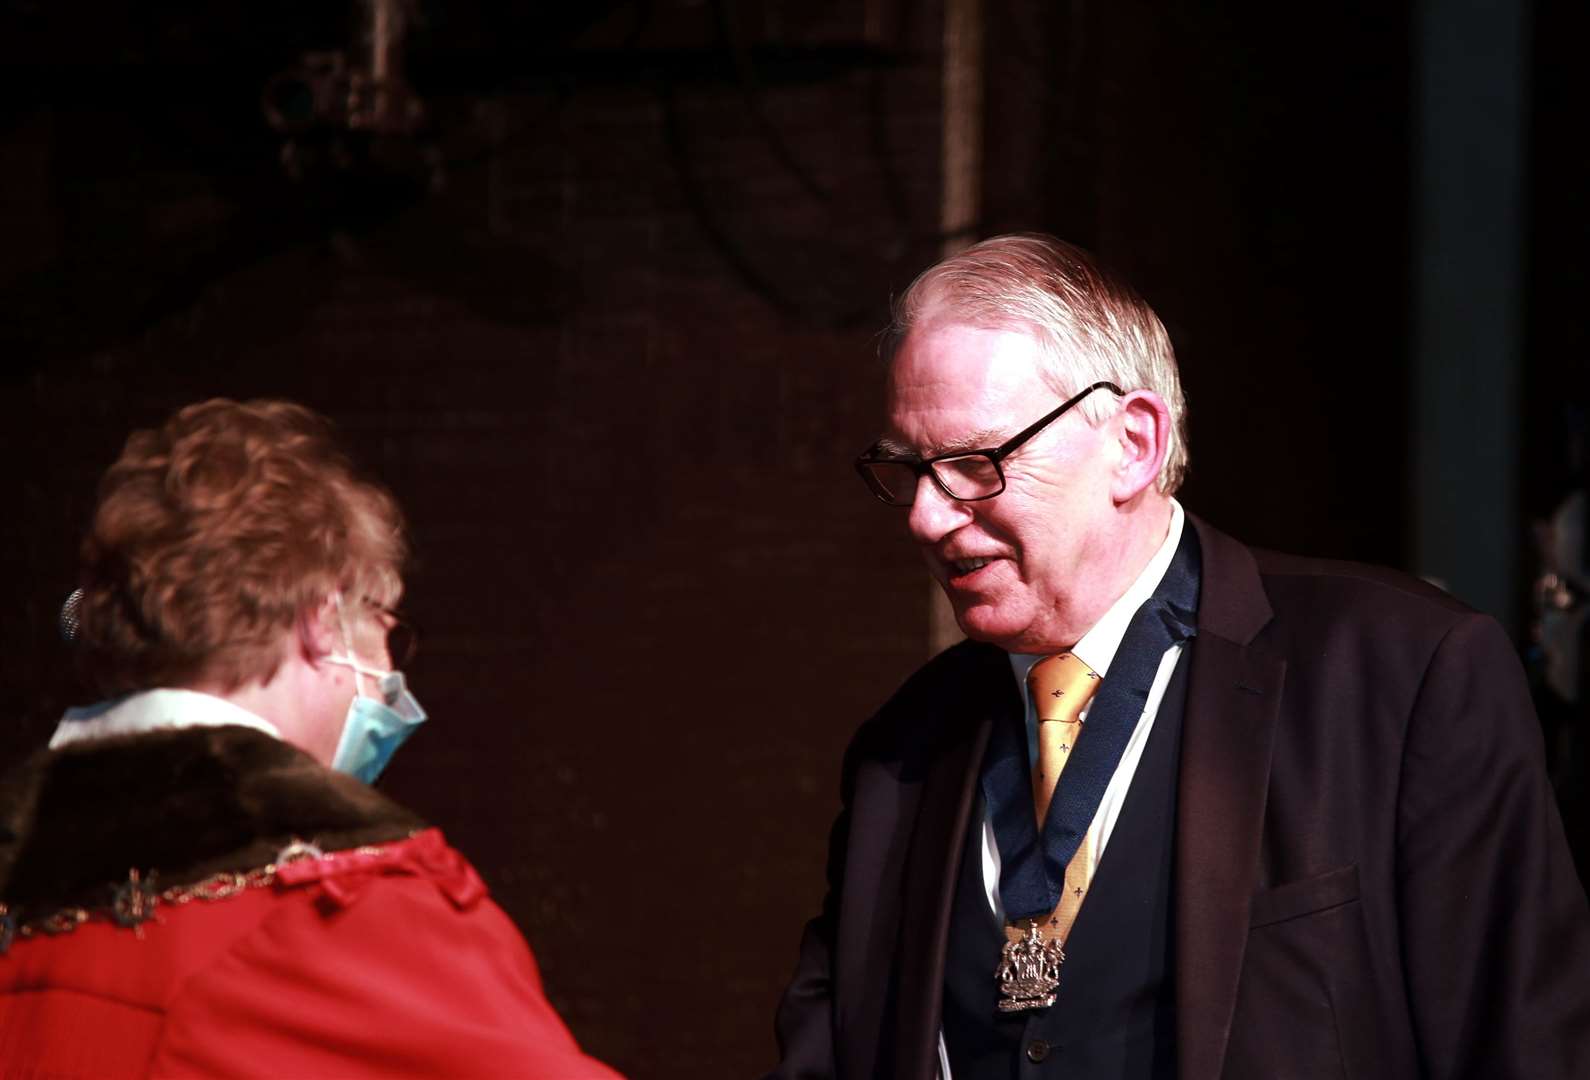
{"x": 1370, "y": 874}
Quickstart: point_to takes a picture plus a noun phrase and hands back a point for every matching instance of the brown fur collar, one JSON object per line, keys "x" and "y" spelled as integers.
{"x": 185, "y": 804}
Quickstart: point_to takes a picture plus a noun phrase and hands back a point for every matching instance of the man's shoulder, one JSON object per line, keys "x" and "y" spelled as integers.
{"x": 967, "y": 675}
{"x": 1235, "y": 569}
{"x": 1363, "y": 583}
{"x": 957, "y": 687}
{"x": 1321, "y": 605}
{"x": 1302, "y": 602}
{"x": 1298, "y": 582}
{"x": 954, "y": 667}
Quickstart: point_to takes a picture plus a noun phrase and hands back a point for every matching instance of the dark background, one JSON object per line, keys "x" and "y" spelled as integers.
{"x": 606, "y": 327}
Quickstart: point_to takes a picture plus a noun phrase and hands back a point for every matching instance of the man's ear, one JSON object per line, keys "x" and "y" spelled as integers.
{"x": 1142, "y": 424}
{"x": 318, "y": 630}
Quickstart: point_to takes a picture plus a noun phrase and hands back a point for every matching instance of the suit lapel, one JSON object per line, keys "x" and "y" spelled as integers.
{"x": 1233, "y": 700}
{"x": 948, "y": 794}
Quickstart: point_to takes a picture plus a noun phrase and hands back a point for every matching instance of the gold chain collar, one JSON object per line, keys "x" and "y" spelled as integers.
{"x": 134, "y": 901}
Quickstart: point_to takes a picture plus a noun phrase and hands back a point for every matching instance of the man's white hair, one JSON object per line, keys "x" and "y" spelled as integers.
{"x": 1091, "y": 326}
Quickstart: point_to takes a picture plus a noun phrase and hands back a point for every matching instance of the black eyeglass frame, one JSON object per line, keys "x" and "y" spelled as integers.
{"x": 994, "y": 454}
{"x": 405, "y": 627}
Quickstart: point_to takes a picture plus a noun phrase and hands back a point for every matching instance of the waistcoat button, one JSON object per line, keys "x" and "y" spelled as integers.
{"x": 1037, "y": 1050}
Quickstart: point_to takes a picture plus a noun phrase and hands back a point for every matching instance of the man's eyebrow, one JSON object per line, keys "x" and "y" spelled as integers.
{"x": 982, "y": 439}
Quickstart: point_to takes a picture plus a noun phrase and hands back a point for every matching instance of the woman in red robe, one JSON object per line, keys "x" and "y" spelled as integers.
{"x": 196, "y": 878}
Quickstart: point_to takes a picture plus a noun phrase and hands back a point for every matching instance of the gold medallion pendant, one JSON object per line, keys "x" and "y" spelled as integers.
{"x": 1029, "y": 971}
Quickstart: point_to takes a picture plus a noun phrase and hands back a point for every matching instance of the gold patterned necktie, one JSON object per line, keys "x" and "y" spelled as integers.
{"x": 1061, "y": 687}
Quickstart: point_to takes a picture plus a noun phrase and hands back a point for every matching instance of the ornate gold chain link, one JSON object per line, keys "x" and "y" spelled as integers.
{"x": 135, "y": 901}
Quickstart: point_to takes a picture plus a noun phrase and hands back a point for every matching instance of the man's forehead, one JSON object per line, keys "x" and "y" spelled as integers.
{"x": 959, "y": 386}
{"x": 961, "y": 351}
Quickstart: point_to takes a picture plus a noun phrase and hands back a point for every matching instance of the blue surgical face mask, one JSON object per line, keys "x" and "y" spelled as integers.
{"x": 375, "y": 727}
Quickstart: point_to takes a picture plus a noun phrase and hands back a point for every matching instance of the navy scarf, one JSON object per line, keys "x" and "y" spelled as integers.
{"x": 1033, "y": 867}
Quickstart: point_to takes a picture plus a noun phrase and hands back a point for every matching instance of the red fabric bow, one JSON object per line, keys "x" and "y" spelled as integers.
{"x": 343, "y": 875}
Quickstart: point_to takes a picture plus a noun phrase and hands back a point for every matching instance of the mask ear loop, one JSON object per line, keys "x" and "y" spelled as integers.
{"x": 350, "y": 660}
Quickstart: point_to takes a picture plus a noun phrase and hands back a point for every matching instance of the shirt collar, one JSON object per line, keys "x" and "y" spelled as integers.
{"x": 1098, "y": 646}
{"x": 151, "y": 710}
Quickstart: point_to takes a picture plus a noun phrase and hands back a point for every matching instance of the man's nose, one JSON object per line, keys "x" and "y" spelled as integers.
{"x": 934, "y": 515}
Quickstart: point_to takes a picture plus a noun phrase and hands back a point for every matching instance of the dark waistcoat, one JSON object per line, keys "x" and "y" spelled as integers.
{"x": 1114, "y": 1013}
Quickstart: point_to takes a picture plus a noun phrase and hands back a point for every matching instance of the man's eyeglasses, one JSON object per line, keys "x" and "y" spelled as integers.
{"x": 966, "y": 475}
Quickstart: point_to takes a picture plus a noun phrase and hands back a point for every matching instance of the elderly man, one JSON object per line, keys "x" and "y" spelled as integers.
{"x": 195, "y": 879}
{"x": 1178, "y": 807}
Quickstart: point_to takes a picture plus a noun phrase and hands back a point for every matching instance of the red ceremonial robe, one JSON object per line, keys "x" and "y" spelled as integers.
{"x": 384, "y": 957}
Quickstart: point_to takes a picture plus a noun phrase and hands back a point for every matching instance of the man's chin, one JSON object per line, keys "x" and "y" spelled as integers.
{"x": 984, "y": 622}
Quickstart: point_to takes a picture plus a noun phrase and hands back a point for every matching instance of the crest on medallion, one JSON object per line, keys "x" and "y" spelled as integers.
{"x": 1029, "y": 971}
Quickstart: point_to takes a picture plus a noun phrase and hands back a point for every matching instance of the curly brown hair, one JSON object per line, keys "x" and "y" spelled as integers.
{"x": 215, "y": 534}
